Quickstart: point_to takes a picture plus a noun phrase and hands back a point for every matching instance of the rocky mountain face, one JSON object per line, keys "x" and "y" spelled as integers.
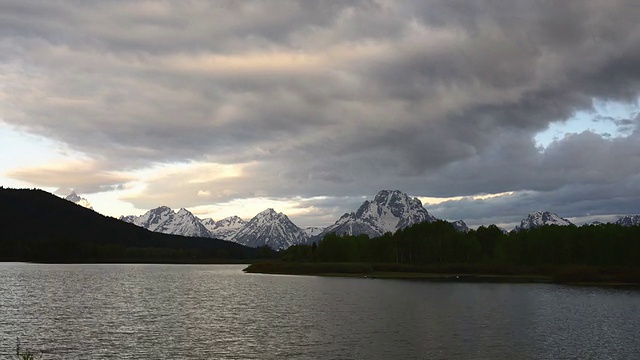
{"x": 629, "y": 220}
{"x": 226, "y": 228}
{"x": 460, "y": 226}
{"x": 75, "y": 198}
{"x": 312, "y": 231}
{"x": 165, "y": 220}
{"x": 389, "y": 211}
{"x": 272, "y": 229}
{"x": 267, "y": 228}
{"x": 541, "y": 218}
{"x": 128, "y": 218}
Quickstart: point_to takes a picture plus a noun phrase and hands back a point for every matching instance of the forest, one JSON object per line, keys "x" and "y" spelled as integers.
{"x": 589, "y": 252}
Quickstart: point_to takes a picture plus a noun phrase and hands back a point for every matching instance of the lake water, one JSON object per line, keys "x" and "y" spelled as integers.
{"x": 218, "y": 312}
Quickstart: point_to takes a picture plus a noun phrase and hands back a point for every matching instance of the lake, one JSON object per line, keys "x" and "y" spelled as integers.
{"x": 218, "y": 312}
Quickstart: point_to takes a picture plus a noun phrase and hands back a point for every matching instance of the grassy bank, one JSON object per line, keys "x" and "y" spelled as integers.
{"x": 457, "y": 272}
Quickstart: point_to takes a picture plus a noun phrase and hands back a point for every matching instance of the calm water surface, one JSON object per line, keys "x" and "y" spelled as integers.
{"x": 218, "y": 312}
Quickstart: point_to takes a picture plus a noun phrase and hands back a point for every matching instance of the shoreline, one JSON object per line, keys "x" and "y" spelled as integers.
{"x": 351, "y": 271}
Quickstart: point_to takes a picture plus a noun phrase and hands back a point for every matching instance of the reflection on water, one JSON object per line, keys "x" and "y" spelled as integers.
{"x": 218, "y": 312}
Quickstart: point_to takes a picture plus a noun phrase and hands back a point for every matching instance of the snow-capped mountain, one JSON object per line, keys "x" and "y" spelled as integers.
{"x": 165, "y": 220}
{"x": 226, "y": 228}
{"x": 272, "y": 229}
{"x": 313, "y": 230}
{"x": 460, "y": 226}
{"x": 128, "y": 218}
{"x": 209, "y": 223}
{"x": 541, "y": 218}
{"x": 629, "y": 220}
{"x": 75, "y": 198}
{"x": 389, "y": 211}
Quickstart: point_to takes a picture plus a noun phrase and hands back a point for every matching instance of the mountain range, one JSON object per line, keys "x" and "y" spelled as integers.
{"x": 167, "y": 221}
{"x": 389, "y": 211}
{"x": 266, "y": 228}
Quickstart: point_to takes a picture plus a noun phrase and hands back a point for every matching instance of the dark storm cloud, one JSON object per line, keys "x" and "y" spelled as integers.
{"x": 437, "y": 98}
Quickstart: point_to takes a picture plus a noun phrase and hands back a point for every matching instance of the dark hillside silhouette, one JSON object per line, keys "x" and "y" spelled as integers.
{"x": 38, "y": 226}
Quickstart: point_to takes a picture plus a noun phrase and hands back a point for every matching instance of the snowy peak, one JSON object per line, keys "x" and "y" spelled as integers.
{"x": 231, "y": 221}
{"x": 75, "y": 198}
{"x": 129, "y": 218}
{"x": 460, "y": 226}
{"x": 209, "y": 223}
{"x": 226, "y": 228}
{"x": 268, "y": 214}
{"x": 313, "y": 230}
{"x": 629, "y": 220}
{"x": 542, "y": 218}
{"x": 272, "y": 229}
{"x": 165, "y": 220}
{"x": 389, "y": 211}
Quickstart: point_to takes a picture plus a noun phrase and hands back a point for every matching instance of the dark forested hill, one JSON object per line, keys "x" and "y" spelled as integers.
{"x": 38, "y": 226}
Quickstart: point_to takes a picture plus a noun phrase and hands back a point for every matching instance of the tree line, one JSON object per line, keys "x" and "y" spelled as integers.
{"x": 439, "y": 243}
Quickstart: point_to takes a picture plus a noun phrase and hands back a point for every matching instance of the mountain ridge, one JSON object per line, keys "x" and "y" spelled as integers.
{"x": 541, "y": 218}
{"x": 70, "y": 233}
{"x": 629, "y": 220}
{"x": 164, "y": 220}
{"x": 270, "y": 228}
{"x": 389, "y": 211}
{"x": 225, "y": 228}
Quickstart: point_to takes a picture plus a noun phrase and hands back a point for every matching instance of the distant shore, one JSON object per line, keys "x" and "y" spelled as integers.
{"x": 582, "y": 276}
{"x": 140, "y": 261}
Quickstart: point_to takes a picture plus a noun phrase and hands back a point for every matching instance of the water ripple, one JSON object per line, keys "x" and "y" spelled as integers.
{"x": 218, "y": 312}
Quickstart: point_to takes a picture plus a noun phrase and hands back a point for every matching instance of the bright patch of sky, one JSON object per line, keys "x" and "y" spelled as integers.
{"x": 21, "y": 149}
{"x": 247, "y": 208}
{"x": 436, "y": 200}
{"x": 109, "y": 203}
{"x": 604, "y": 120}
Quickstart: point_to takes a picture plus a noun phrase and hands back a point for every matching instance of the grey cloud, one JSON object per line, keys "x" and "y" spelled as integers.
{"x": 438, "y": 98}
{"x": 603, "y": 203}
{"x": 514, "y": 163}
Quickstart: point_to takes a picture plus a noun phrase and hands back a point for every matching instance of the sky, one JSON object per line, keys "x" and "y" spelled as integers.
{"x": 485, "y": 110}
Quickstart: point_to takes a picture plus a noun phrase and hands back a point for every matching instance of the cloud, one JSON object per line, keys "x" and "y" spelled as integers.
{"x": 83, "y": 177}
{"x": 437, "y": 98}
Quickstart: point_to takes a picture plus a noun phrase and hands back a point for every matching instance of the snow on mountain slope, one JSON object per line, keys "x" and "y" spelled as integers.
{"x": 389, "y": 211}
{"x": 272, "y": 229}
{"x": 460, "y": 226}
{"x": 209, "y": 223}
{"x": 629, "y": 220}
{"x": 313, "y": 230}
{"x": 165, "y": 220}
{"x": 129, "y": 218}
{"x": 75, "y": 198}
{"x": 226, "y": 228}
{"x": 541, "y": 218}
